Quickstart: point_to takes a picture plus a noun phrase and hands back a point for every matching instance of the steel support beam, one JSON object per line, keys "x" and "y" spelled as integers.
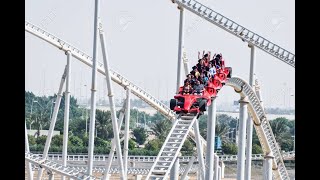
{"x": 242, "y": 138}
{"x": 181, "y": 26}
{"x": 112, "y": 104}
{"x": 249, "y": 120}
{"x": 29, "y": 168}
{"x": 216, "y": 166}
{"x": 93, "y": 88}
{"x": 199, "y": 149}
{"x": 267, "y": 171}
{"x": 211, "y": 124}
{"x": 53, "y": 120}
{"x": 174, "y": 173}
{"x": 186, "y": 171}
{"x": 66, "y": 113}
{"x": 126, "y": 130}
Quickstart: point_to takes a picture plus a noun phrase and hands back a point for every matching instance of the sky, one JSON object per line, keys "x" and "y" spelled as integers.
{"x": 142, "y": 43}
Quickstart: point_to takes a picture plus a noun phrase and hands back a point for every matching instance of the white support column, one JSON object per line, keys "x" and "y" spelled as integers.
{"x": 249, "y": 121}
{"x": 211, "y": 124}
{"x": 185, "y": 62}
{"x": 199, "y": 149}
{"x": 126, "y": 130}
{"x": 29, "y": 168}
{"x": 242, "y": 138}
{"x": 53, "y": 120}
{"x": 51, "y": 176}
{"x": 186, "y": 171}
{"x": 181, "y": 25}
{"x": 216, "y": 165}
{"x": 174, "y": 173}
{"x": 66, "y": 112}
{"x": 112, "y": 104}
{"x": 267, "y": 171}
{"x": 113, "y": 148}
{"x": 222, "y": 169}
{"x": 93, "y": 89}
{"x": 138, "y": 177}
{"x": 219, "y": 173}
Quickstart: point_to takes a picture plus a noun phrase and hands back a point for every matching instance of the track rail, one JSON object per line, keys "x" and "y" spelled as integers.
{"x": 55, "y": 167}
{"x": 239, "y": 31}
{"x": 262, "y": 126}
{"x": 79, "y": 157}
{"x": 116, "y": 77}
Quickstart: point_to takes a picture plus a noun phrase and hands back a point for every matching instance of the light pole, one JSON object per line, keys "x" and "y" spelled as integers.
{"x": 294, "y": 139}
{"x": 292, "y": 95}
{"x": 31, "y": 124}
{"x": 52, "y": 102}
{"x": 294, "y": 142}
{"x": 86, "y": 105}
{"x": 33, "y": 101}
{"x": 137, "y": 118}
{"x": 31, "y": 112}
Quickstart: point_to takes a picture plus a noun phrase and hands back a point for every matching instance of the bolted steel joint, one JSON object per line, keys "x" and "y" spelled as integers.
{"x": 239, "y": 90}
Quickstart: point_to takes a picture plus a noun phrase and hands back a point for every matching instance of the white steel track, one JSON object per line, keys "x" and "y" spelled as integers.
{"x": 239, "y": 31}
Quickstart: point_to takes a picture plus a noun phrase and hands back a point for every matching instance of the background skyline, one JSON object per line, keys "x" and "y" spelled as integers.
{"x": 142, "y": 43}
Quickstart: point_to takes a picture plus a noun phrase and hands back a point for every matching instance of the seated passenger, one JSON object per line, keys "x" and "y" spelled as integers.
{"x": 197, "y": 73}
{"x": 205, "y": 80}
{"x": 206, "y": 59}
{"x": 187, "y": 89}
{"x": 218, "y": 60}
{"x": 212, "y": 70}
{"x": 198, "y": 88}
{"x": 188, "y": 79}
{"x": 193, "y": 70}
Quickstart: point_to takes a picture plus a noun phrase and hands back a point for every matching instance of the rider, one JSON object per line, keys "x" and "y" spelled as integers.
{"x": 198, "y": 88}
{"x": 187, "y": 89}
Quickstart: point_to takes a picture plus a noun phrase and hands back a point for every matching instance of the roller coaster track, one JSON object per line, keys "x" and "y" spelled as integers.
{"x": 262, "y": 126}
{"x": 171, "y": 147}
{"x": 261, "y": 123}
{"x": 237, "y": 30}
{"x": 116, "y": 77}
{"x": 58, "y": 168}
{"x": 79, "y": 157}
{"x": 141, "y": 171}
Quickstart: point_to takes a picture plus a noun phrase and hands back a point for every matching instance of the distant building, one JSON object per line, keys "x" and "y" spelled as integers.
{"x": 42, "y": 132}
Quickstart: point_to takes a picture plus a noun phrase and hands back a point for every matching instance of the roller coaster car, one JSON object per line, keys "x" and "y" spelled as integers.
{"x": 192, "y": 104}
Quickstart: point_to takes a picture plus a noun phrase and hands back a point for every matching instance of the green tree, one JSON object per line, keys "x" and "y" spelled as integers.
{"x": 187, "y": 148}
{"x": 203, "y": 125}
{"x": 98, "y": 142}
{"x": 256, "y": 149}
{"x": 154, "y": 145}
{"x": 157, "y": 117}
{"x": 162, "y": 128}
{"x": 131, "y": 144}
{"x": 279, "y": 127}
{"x": 229, "y": 148}
{"x": 104, "y": 124}
{"x": 41, "y": 140}
{"x": 31, "y": 140}
{"x": 75, "y": 141}
{"x": 140, "y": 135}
{"x": 85, "y": 140}
{"x": 281, "y": 131}
{"x": 57, "y": 140}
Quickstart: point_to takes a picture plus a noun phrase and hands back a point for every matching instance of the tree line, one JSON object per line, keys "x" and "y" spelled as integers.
{"x": 39, "y": 110}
